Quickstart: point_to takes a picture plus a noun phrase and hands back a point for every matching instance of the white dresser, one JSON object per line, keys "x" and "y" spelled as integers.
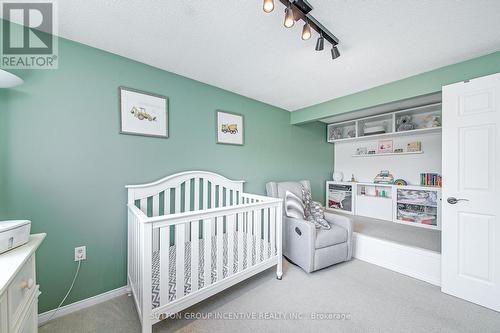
{"x": 18, "y": 289}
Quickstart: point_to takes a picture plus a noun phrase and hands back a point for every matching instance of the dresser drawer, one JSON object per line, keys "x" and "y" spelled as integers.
{"x": 4, "y": 322}
{"x": 29, "y": 321}
{"x": 20, "y": 291}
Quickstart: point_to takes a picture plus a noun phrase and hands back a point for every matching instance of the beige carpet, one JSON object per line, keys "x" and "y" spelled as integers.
{"x": 375, "y": 299}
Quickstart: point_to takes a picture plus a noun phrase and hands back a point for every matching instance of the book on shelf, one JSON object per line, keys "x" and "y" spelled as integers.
{"x": 431, "y": 179}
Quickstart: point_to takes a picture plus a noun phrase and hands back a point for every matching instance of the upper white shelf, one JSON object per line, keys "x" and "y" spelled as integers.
{"x": 419, "y": 120}
{"x": 386, "y": 154}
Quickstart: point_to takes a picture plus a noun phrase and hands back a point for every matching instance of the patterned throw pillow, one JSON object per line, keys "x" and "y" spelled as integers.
{"x": 294, "y": 207}
{"x": 313, "y": 211}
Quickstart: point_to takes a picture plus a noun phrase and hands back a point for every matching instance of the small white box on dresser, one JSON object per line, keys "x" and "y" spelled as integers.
{"x": 14, "y": 234}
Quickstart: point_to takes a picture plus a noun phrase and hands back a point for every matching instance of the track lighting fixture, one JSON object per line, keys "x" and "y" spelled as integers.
{"x": 296, "y": 10}
{"x": 306, "y": 31}
{"x": 335, "y": 52}
{"x": 289, "y": 19}
{"x": 268, "y": 6}
{"x": 320, "y": 43}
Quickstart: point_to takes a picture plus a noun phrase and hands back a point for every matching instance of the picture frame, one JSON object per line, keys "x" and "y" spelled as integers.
{"x": 385, "y": 146}
{"x": 143, "y": 113}
{"x": 229, "y": 128}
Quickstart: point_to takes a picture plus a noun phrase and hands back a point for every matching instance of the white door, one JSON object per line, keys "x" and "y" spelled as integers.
{"x": 471, "y": 191}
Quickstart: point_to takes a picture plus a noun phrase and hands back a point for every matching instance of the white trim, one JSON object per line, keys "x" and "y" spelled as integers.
{"x": 416, "y": 262}
{"x": 73, "y": 307}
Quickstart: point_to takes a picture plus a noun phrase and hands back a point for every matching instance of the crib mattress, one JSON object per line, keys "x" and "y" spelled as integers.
{"x": 201, "y": 276}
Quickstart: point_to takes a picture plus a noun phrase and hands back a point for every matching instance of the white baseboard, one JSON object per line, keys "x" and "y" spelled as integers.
{"x": 418, "y": 263}
{"x": 67, "y": 309}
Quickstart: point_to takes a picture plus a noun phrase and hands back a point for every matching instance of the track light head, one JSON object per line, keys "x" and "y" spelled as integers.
{"x": 306, "y": 31}
{"x": 335, "y": 52}
{"x": 289, "y": 18}
{"x": 268, "y": 6}
{"x": 320, "y": 43}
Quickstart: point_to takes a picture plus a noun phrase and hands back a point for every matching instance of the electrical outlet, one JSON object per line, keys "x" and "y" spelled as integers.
{"x": 80, "y": 253}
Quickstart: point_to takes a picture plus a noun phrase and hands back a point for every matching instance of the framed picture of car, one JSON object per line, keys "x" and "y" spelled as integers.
{"x": 143, "y": 113}
{"x": 229, "y": 128}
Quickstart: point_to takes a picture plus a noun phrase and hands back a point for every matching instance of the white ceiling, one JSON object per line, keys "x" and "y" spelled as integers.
{"x": 236, "y": 46}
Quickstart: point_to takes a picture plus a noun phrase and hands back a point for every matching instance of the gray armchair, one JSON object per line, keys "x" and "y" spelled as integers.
{"x": 306, "y": 246}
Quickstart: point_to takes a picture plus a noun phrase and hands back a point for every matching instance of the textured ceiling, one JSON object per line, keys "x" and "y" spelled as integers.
{"x": 236, "y": 46}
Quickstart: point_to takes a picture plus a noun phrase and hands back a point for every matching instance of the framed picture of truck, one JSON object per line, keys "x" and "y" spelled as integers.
{"x": 229, "y": 128}
{"x": 143, "y": 113}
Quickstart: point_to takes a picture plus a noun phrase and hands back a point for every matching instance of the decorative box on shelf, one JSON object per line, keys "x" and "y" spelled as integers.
{"x": 418, "y": 205}
{"x": 339, "y": 196}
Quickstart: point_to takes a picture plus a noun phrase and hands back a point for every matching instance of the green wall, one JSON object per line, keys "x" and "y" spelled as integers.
{"x": 66, "y": 165}
{"x": 421, "y": 84}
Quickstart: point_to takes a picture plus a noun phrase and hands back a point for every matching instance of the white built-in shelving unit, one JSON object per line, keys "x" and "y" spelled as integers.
{"x": 413, "y": 205}
{"x": 386, "y": 124}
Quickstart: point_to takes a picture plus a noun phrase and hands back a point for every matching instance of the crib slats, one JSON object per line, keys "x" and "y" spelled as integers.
{"x": 177, "y": 199}
{"x": 266, "y": 233}
{"x": 272, "y": 229}
{"x": 187, "y": 196}
{"x": 144, "y": 205}
{"x": 194, "y": 256}
{"x": 227, "y": 198}
{"x": 204, "y": 194}
{"x": 220, "y": 196}
{"x": 240, "y": 242}
{"x": 207, "y": 266}
{"x": 258, "y": 230}
{"x": 156, "y": 212}
{"x": 212, "y": 195}
{"x": 196, "y": 197}
{"x": 187, "y": 204}
{"x": 230, "y": 243}
{"x": 166, "y": 206}
{"x": 220, "y": 250}
{"x": 164, "y": 264}
{"x": 179, "y": 259}
{"x": 249, "y": 218}
{"x": 156, "y": 205}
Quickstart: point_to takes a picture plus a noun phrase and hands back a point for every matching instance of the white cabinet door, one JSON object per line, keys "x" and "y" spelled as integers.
{"x": 471, "y": 167}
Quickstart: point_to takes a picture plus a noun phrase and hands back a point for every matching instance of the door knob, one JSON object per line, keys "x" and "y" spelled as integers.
{"x": 453, "y": 200}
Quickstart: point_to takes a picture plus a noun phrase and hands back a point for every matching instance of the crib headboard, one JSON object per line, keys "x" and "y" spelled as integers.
{"x": 191, "y": 189}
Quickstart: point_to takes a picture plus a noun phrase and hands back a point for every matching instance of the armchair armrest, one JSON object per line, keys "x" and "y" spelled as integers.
{"x": 346, "y": 223}
{"x": 299, "y": 238}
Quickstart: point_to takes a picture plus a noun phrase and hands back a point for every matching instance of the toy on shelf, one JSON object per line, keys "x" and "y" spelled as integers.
{"x": 414, "y": 146}
{"x": 431, "y": 121}
{"x": 384, "y": 177}
{"x": 375, "y": 129}
{"x": 404, "y": 123}
{"x": 361, "y": 151}
{"x": 336, "y": 133}
{"x": 400, "y": 182}
{"x": 338, "y": 176}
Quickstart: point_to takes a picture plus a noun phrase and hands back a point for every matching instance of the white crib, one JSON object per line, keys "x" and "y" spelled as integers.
{"x": 192, "y": 235}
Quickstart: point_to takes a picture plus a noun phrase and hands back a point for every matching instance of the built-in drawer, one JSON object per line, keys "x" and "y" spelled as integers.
{"x": 374, "y": 207}
{"x": 29, "y": 320}
{"x": 20, "y": 291}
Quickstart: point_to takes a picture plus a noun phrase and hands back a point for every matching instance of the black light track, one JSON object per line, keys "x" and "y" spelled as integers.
{"x": 301, "y": 9}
